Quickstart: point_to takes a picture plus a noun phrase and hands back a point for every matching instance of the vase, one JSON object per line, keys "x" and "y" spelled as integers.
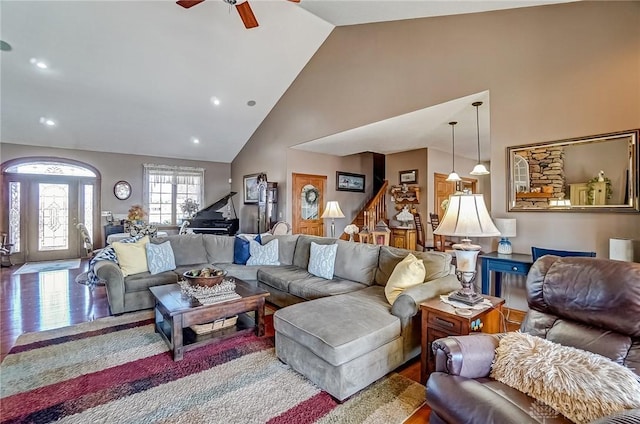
{"x": 350, "y": 237}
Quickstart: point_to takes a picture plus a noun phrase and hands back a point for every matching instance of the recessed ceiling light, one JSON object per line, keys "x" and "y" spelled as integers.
{"x": 48, "y": 122}
{"x": 38, "y": 63}
{"x": 251, "y": 103}
{"x": 195, "y": 140}
{"x": 215, "y": 101}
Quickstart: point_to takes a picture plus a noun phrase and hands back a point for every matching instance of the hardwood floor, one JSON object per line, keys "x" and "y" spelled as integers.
{"x": 42, "y": 301}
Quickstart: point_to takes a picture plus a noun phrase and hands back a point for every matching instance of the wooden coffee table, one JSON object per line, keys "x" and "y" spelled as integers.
{"x": 175, "y": 313}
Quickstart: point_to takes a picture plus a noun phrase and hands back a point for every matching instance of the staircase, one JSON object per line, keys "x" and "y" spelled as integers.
{"x": 374, "y": 211}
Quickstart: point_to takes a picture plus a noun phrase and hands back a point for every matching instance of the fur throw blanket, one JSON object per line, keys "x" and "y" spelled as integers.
{"x": 581, "y": 385}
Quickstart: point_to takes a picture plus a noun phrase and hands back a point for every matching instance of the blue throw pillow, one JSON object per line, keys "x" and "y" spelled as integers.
{"x": 160, "y": 257}
{"x": 241, "y": 252}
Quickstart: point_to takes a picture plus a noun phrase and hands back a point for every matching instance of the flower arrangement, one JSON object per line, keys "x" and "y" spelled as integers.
{"x": 351, "y": 229}
{"x": 189, "y": 208}
{"x": 136, "y": 213}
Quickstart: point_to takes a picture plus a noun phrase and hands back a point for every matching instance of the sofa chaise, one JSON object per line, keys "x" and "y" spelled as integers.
{"x": 341, "y": 332}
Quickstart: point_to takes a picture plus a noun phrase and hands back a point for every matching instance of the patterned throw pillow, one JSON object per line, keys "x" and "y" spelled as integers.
{"x": 322, "y": 259}
{"x": 263, "y": 255}
{"x": 160, "y": 257}
{"x": 241, "y": 251}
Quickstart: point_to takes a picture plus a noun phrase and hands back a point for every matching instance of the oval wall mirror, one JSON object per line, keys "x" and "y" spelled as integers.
{"x": 586, "y": 174}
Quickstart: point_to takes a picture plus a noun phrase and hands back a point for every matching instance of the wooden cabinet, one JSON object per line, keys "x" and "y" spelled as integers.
{"x": 403, "y": 238}
{"x": 439, "y": 320}
{"x": 579, "y": 193}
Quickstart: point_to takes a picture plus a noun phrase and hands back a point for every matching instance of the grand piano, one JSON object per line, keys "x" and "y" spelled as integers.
{"x": 211, "y": 221}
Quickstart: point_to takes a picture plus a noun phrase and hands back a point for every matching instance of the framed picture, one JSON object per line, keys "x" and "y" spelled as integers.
{"x": 409, "y": 177}
{"x": 346, "y": 181}
{"x": 250, "y": 189}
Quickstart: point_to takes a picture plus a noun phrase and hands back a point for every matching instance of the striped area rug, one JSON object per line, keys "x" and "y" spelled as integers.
{"x": 118, "y": 370}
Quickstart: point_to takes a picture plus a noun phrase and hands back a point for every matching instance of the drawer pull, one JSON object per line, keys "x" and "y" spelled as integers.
{"x": 444, "y": 322}
{"x": 515, "y": 268}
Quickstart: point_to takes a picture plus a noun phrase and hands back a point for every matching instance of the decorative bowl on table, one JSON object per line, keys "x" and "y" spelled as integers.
{"x": 205, "y": 277}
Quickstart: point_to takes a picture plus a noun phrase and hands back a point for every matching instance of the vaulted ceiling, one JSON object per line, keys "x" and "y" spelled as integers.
{"x": 151, "y": 78}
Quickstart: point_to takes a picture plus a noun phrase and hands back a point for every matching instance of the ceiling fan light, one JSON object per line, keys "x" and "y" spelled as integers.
{"x": 453, "y": 177}
{"x": 479, "y": 169}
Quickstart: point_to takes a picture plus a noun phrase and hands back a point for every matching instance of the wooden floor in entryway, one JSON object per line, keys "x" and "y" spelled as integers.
{"x": 42, "y": 301}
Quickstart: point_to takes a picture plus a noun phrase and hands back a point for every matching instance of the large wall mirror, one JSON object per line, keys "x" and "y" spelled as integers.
{"x": 587, "y": 174}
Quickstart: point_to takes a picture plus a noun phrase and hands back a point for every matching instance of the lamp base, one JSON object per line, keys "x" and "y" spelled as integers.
{"x": 467, "y": 299}
{"x": 504, "y": 246}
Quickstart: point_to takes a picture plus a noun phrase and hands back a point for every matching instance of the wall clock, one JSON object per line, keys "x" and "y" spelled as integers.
{"x": 122, "y": 190}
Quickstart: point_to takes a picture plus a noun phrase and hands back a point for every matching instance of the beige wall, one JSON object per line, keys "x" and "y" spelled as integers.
{"x": 553, "y": 72}
{"x": 114, "y": 167}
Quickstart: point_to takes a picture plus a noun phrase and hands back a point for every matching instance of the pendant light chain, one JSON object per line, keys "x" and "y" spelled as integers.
{"x": 453, "y": 176}
{"x": 453, "y": 148}
{"x": 479, "y": 169}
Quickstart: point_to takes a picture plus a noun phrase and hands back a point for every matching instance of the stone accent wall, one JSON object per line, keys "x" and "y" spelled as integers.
{"x": 546, "y": 168}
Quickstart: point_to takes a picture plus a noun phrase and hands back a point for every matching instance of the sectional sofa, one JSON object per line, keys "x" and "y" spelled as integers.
{"x": 341, "y": 333}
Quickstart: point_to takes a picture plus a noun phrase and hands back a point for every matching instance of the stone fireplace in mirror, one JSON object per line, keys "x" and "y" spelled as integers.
{"x": 586, "y": 174}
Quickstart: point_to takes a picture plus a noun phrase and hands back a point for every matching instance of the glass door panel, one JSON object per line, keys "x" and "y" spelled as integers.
{"x": 55, "y": 236}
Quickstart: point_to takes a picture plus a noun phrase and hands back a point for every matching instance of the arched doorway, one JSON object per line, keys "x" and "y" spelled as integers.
{"x": 45, "y": 199}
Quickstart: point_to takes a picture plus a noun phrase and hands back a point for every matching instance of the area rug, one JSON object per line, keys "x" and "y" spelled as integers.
{"x": 117, "y": 369}
{"x": 30, "y": 267}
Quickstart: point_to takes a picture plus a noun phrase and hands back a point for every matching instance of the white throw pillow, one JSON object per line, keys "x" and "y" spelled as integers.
{"x": 263, "y": 255}
{"x": 408, "y": 273}
{"x": 160, "y": 257}
{"x": 132, "y": 257}
{"x": 322, "y": 259}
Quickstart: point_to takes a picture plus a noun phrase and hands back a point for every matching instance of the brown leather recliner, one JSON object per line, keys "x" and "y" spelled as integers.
{"x": 587, "y": 303}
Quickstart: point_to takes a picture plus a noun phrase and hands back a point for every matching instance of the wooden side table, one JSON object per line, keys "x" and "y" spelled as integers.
{"x": 439, "y": 320}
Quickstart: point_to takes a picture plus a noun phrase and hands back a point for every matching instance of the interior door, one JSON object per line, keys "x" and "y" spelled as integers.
{"x": 443, "y": 189}
{"x": 52, "y": 214}
{"x": 308, "y": 203}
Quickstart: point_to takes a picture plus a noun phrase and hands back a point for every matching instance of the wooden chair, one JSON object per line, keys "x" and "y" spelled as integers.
{"x": 537, "y": 252}
{"x": 421, "y": 242}
{"x": 439, "y": 241}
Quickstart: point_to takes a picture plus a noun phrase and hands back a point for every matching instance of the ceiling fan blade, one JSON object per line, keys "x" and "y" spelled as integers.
{"x": 247, "y": 16}
{"x": 188, "y": 3}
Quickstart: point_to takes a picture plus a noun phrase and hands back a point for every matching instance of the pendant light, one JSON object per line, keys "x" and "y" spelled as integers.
{"x": 479, "y": 169}
{"x": 454, "y": 175}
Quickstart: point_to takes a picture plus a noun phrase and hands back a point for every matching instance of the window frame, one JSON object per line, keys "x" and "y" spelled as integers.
{"x": 174, "y": 173}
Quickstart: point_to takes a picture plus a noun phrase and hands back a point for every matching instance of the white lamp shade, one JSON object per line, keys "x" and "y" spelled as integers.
{"x": 621, "y": 249}
{"x": 479, "y": 169}
{"x": 467, "y": 216}
{"x": 506, "y": 226}
{"x": 453, "y": 177}
{"x": 332, "y": 210}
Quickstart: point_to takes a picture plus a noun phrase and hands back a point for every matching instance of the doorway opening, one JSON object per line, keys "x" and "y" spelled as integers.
{"x": 46, "y": 198}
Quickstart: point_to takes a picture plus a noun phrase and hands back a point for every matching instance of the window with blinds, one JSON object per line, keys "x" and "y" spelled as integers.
{"x": 172, "y": 192}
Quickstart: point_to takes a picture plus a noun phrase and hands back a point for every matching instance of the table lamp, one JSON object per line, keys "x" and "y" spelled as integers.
{"x": 466, "y": 216}
{"x": 333, "y": 211}
{"x": 507, "y": 228}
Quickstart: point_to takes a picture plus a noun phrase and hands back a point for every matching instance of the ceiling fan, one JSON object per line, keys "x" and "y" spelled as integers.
{"x": 243, "y": 8}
